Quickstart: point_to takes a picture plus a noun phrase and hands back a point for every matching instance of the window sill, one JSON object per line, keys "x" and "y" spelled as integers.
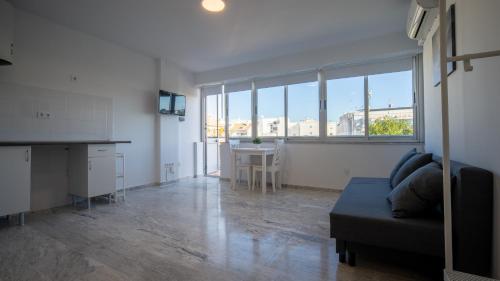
{"x": 344, "y": 140}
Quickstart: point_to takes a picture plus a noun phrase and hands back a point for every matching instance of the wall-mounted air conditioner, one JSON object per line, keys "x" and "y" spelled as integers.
{"x": 420, "y": 18}
{"x": 6, "y": 33}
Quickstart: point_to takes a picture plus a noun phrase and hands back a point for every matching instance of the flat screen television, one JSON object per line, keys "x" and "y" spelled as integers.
{"x": 179, "y": 107}
{"x": 172, "y": 103}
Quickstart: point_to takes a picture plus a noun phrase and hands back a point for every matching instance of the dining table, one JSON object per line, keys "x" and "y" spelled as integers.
{"x": 263, "y": 152}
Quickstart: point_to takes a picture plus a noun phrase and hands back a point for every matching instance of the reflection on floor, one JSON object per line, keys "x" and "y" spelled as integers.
{"x": 215, "y": 174}
{"x": 196, "y": 229}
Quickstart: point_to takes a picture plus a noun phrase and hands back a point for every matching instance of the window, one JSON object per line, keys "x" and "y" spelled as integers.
{"x": 369, "y": 102}
{"x": 240, "y": 114}
{"x": 346, "y": 107}
{"x": 303, "y": 110}
{"x": 271, "y": 112}
{"x": 391, "y": 104}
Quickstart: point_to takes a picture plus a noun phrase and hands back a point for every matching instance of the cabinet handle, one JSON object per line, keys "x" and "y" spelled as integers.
{"x": 90, "y": 165}
{"x": 102, "y": 150}
{"x": 27, "y": 158}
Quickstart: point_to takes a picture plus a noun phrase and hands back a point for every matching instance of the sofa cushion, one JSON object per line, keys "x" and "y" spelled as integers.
{"x": 411, "y": 165}
{"x": 418, "y": 194}
{"x": 403, "y": 159}
{"x": 362, "y": 214}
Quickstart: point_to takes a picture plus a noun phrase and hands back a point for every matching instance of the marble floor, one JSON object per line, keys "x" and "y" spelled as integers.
{"x": 195, "y": 229}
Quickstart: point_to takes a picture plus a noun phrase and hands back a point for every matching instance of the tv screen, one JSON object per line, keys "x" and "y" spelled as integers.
{"x": 165, "y": 103}
{"x": 179, "y": 105}
{"x": 171, "y": 103}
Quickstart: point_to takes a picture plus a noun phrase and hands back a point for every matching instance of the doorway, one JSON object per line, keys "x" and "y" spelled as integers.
{"x": 214, "y": 132}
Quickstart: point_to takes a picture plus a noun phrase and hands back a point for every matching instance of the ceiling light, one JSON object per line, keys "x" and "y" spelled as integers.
{"x": 213, "y": 5}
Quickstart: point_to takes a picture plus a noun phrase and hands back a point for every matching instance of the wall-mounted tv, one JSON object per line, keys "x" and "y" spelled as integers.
{"x": 172, "y": 103}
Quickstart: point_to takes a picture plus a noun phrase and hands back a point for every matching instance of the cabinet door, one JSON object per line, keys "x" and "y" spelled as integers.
{"x": 15, "y": 180}
{"x": 102, "y": 175}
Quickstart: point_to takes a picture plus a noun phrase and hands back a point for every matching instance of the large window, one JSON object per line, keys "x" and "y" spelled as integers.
{"x": 303, "y": 110}
{"x": 391, "y": 104}
{"x": 271, "y": 112}
{"x": 240, "y": 114}
{"x": 369, "y": 102}
{"x": 346, "y": 107}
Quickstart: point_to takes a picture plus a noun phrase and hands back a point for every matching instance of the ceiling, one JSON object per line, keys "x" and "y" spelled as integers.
{"x": 247, "y": 31}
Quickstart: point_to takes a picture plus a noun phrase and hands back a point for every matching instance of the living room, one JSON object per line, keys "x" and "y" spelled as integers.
{"x": 175, "y": 109}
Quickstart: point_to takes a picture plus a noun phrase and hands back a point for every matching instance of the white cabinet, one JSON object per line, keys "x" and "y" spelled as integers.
{"x": 15, "y": 180}
{"x": 92, "y": 170}
{"x": 6, "y": 33}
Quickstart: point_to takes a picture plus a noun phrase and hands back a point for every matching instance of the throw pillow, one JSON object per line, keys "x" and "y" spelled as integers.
{"x": 403, "y": 159}
{"x": 411, "y": 165}
{"x": 420, "y": 193}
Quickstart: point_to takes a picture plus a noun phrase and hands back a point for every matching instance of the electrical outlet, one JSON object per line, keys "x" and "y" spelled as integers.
{"x": 43, "y": 115}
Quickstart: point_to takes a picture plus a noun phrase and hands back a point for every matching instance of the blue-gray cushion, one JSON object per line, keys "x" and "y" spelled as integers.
{"x": 411, "y": 165}
{"x": 419, "y": 193}
{"x": 403, "y": 159}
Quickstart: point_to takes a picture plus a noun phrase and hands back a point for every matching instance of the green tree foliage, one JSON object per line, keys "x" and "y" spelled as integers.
{"x": 390, "y": 126}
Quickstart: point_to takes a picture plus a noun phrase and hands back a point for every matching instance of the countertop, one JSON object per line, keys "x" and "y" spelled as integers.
{"x": 30, "y": 143}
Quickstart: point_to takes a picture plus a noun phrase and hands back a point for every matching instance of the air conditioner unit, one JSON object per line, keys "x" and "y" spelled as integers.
{"x": 6, "y": 33}
{"x": 420, "y": 18}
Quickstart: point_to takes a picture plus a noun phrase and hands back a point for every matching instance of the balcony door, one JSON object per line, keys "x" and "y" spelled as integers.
{"x": 214, "y": 132}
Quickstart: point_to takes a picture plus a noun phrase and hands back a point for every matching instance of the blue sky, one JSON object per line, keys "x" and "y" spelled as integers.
{"x": 344, "y": 95}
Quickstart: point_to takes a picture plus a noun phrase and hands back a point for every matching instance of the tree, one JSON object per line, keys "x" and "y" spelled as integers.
{"x": 390, "y": 126}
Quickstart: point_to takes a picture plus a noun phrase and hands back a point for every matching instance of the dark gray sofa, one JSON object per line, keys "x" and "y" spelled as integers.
{"x": 362, "y": 219}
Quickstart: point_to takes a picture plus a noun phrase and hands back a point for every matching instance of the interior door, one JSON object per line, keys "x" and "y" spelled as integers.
{"x": 214, "y": 132}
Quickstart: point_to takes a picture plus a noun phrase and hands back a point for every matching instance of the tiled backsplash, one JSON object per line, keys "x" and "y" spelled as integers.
{"x": 31, "y": 113}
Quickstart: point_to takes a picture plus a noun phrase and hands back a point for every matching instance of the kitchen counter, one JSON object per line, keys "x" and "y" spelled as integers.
{"x": 34, "y": 143}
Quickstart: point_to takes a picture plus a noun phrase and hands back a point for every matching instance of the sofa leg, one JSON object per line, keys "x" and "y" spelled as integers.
{"x": 351, "y": 258}
{"x": 342, "y": 257}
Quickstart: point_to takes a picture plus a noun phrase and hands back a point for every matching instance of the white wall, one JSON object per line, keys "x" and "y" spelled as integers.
{"x": 474, "y": 98}
{"x": 177, "y": 137}
{"x": 388, "y": 46}
{"x": 47, "y": 55}
{"x": 331, "y": 165}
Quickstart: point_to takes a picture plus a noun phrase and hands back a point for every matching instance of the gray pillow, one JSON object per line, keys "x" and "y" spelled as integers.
{"x": 418, "y": 194}
{"x": 411, "y": 165}
{"x": 403, "y": 159}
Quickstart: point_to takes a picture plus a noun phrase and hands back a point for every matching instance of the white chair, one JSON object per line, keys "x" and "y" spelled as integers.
{"x": 274, "y": 169}
{"x": 239, "y": 165}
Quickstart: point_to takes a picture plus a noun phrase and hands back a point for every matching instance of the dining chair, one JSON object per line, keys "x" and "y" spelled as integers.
{"x": 239, "y": 165}
{"x": 274, "y": 169}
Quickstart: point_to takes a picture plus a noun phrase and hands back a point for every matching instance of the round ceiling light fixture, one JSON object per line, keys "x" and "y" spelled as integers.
{"x": 214, "y": 6}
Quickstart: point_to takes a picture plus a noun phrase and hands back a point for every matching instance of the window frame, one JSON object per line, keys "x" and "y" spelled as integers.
{"x": 285, "y": 114}
{"x": 226, "y": 117}
{"x": 418, "y": 111}
{"x": 305, "y": 138}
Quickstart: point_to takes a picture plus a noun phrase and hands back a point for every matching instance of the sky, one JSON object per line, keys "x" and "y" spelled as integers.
{"x": 344, "y": 95}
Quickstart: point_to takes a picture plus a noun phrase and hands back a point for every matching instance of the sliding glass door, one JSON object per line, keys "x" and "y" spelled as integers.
{"x": 214, "y": 132}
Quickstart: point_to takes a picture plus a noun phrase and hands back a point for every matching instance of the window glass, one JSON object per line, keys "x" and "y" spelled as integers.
{"x": 391, "y": 104}
{"x": 345, "y": 107}
{"x": 271, "y": 112}
{"x": 213, "y": 120}
{"x": 240, "y": 114}
{"x": 303, "y": 110}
